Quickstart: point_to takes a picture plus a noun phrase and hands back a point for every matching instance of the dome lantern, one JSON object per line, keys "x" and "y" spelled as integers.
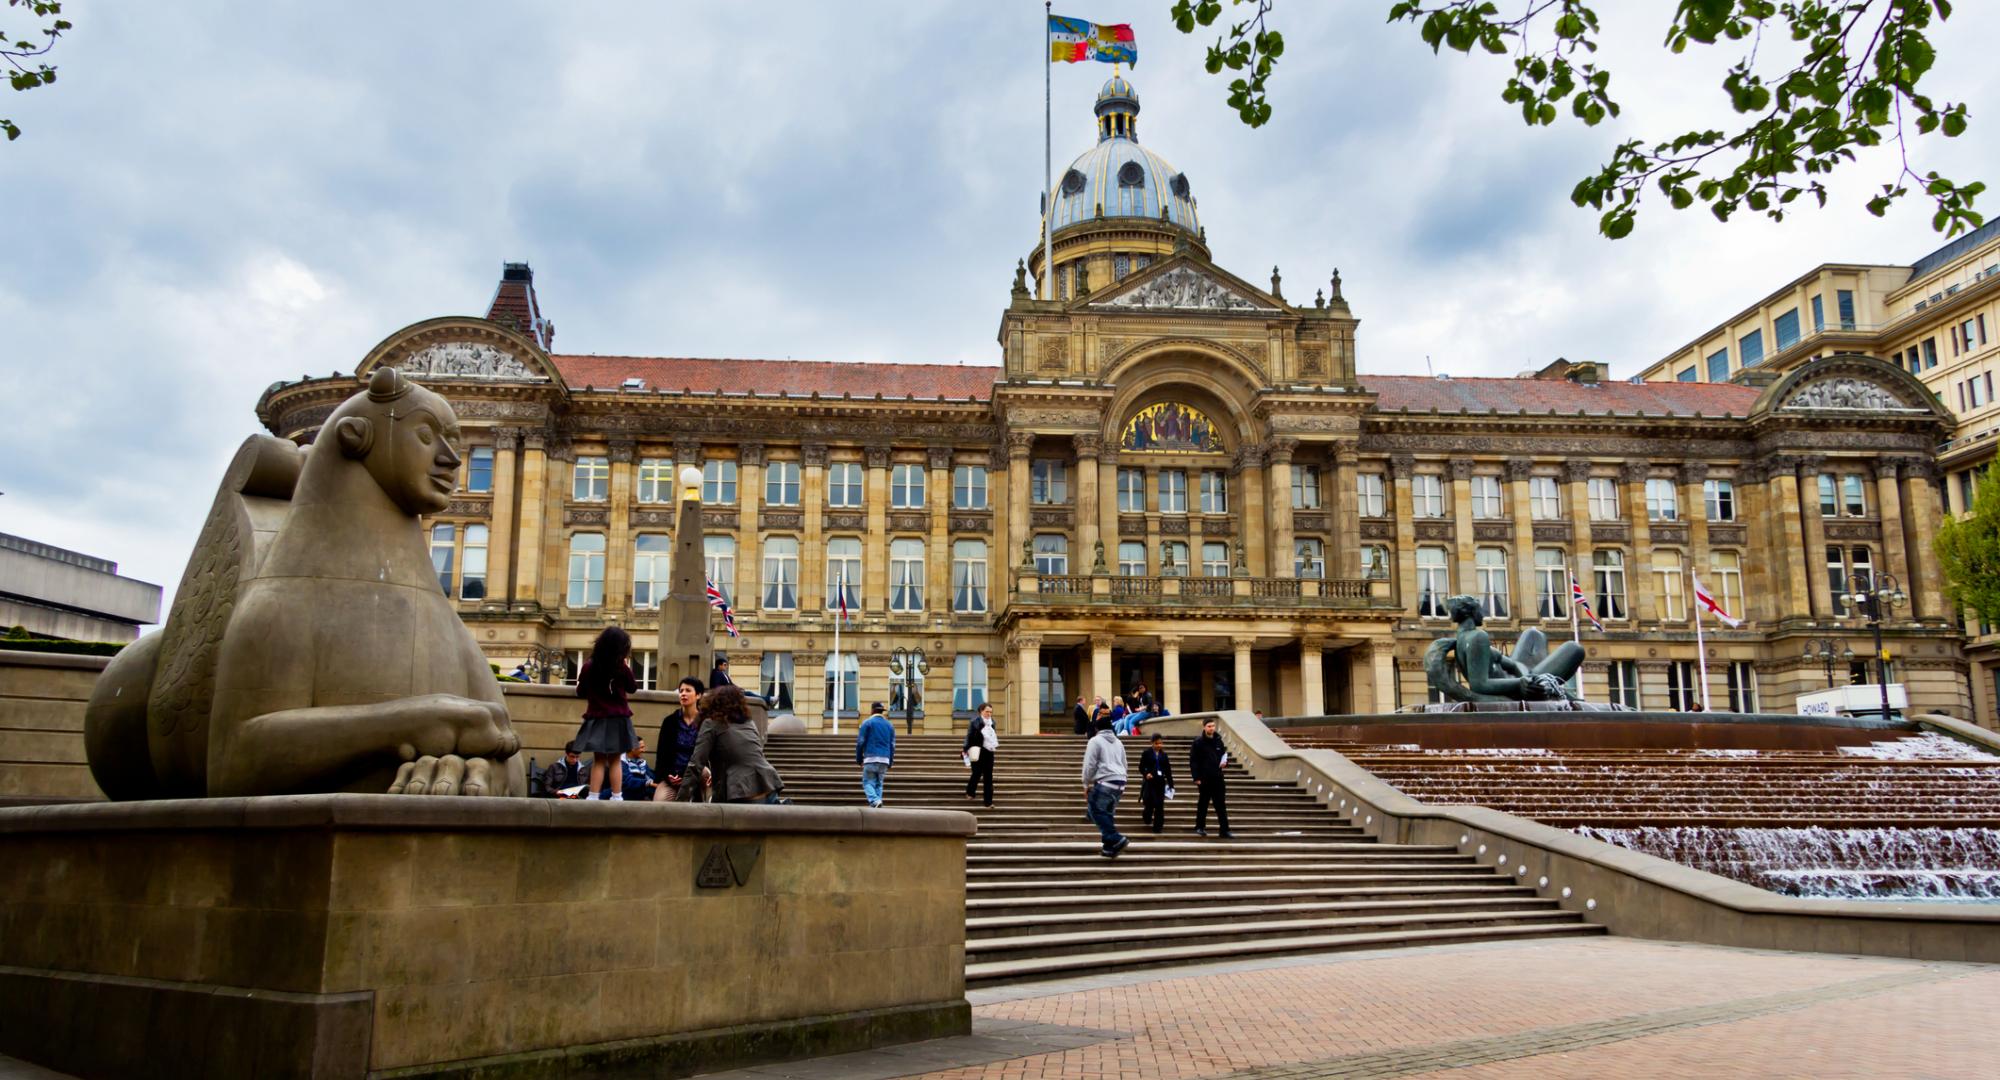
{"x": 1117, "y": 110}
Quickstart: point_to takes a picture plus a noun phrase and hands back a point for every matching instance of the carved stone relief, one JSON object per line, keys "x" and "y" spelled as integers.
{"x": 1610, "y": 533}
{"x": 1853, "y": 530}
{"x": 482, "y": 409}
{"x": 1378, "y": 530}
{"x": 1054, "y": 355}
{"x": 1308, "y": 522}
{"x": 1131, "y": 525}
{"x": 577, "y": 515}
{"x": 1845, "y": 392}
{"x": 644, "y": 518}
{"x": 1669, "y": 534}
{"x": 469, "y": 508}
{"x": 1173, "y": 525}
{"x": 1185, "y": 289}
{"x": 466, "y": 360}
{"x": 1551, "y": 532}
{"x": 1725, "y": 534}
{"x": 1312, "y": 361}
{"x": 909, "y": 521}
{"x": 1492, "y": 530}
{"x": 717, "y": 518}
{"x": 846, "y": 519}
{"x": 782, "y": 519}
{"x": 1434, "y": 530}
{"x": 1051, "y": 517}
{"x": 971, "y": 522}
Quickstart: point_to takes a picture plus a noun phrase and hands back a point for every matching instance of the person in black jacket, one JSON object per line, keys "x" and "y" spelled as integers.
{"x": 719, "y": 674}
{"x": 1157, "y": 772}
{"x": 1205, "y": 759}
{"x": 1082, "y": 717}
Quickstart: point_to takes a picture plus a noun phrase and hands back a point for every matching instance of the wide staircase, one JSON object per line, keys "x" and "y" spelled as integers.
{"x": 1041, "y": 902}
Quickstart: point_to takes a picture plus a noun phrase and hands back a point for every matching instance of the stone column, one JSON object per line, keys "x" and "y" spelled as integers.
{"x": 812, "y": 507}
{"x": 749, "y": 502}
{"x": 1694, "y": 511}
{"x": 534, "y": 495}
{"x": 1639, "y": 581}
{"x": 552, "y": 591}
{"x": 618, "y": 533}
{"x": 1101, "y": 682}
{"x": 1817, "y": 585}
{"x": 1107, "y": 502}
{"x": 1250, "y": 480}
{"x": 1402, "y": 466}
{"x": 937, "y": 549}
{"x": 1170, "y": 672}
{"x": 1027, "y": 684}
{"x": 1922, "y": 516}
{"x": 500, "y": 538}
{"x": 1242, "y": 645}
{"x": 1382, "y": 664}
{"x": 1895, "y": 546}
{"x": 1312, "y": 674}
{"x": 1521, "y": 575}
{"x": 1018, "y": 444}
{"x": 809, "y": 688}
{"x": 1152, "y": 523}
{"x": 1278, "y": 454}
{"x": 875, "y": 545}
{"x": 1463, "y": 578}
{"x": 1785, "y": 540}
{"x": 1347, "y": 510}
{"x": 1761, "y": 580}
{"x": 1088, "y": 521}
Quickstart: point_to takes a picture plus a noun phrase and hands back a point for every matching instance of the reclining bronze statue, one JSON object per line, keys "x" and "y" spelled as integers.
{"x": 309, "y": 648}
{"x": 1466, "y": 666}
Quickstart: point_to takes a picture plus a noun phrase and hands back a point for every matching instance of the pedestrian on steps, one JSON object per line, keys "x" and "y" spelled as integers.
{"x": 1104, "y": 784}
{"x": 1205, "y": 761}
{"x": 1156, "y": 774}
{"x": 875, "y": 751}
{"x": 606, "y": 733}
{"x": 1081, "y": 717}
{"x": 980, "y": 743}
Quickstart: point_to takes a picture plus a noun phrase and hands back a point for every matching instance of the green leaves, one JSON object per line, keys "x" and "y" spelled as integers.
{"x": 1968, "y": 550}
{"x": 1247, "y": 46}
{"x": 16, "y": 50}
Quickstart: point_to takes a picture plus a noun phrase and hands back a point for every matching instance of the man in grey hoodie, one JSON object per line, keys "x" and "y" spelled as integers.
{"x": 1104, "y": 785}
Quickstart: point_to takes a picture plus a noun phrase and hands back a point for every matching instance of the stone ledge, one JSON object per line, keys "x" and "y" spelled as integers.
{"x": 73, "y": 661}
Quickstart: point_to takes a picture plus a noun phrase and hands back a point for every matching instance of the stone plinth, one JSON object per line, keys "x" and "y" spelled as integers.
{"x": 368, "y": 935}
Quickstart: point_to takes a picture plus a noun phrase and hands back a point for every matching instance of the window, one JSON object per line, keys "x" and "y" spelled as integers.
{"x": 844, "y": 485}
{"x": 472, "y": 574}
{"x": 1670, "y": 602}
{"x": 1686, "y": 375}
{"x": 1173, "y": 491}
{"x": 1725, "y": 568}
{"x": 1622, "y": 683}
{"x": 1751, "y": 348}
{"x": 1861, "y": 571}
{"x": 781, "y": 483}
{"x": 1719, "y": 497}
{"x": 775, "y": 676}
{"x": 718, "y": 482}
{"x": 781, "y": 573}
{"x": 1308, "y": 558}
{"x": 1852, "y": 499}
{"x": 843, "y": 684}
{"x": 1829, "y": 501}
{"x": 968, "y": 682}
{"x": 906, "y": 487}
{"x": 1742, "y": 676}
{"x": 1131, "y": 559}
{"x": 843, "y": 572}
{"x": 906, "y": 575}
{"x": 1785, "y": 328}
{"x": 1603, "y": 491}
{"x": 1930, "y": 353}
{"x": 1662, "y": 502}
{"x": 1490, "y": 568}
{"x": 968, "y": 487}
{"x": 1214, "y": 559}
{"x": 1544, "y": 498}
{"x": 479, "y": 469}
{"x": 1131, "y": 491}
{"x": 1845, "y": 301}
{"x": 1375, "y": 562}
{"x": 1966, "y": 331}
{"x": 656, "y": 480}
{"x": 1051, "y": 553}
{"x": 1173, "y": 558}
{"x": 718, "y": 557}
{"x": 907, "y": 699}
{"x": 968, "y": 576}
{"x": 646, "y": 668}
{"x": 1683, "y": 692}
{"x": 1305, "y": 487}
{"x": 1487, "y": 501}
{"x": 586, "y": 570}
{"x": 1433, "y": 582}
{"x": 1427, "y": 495}
{"x": 1718, "y": 365}
{"x": 443, "y": 538}
{"x": 1053, "y": 698}
{"x": 1607, "y": 567}
{"x": 592, "y": 479}
{"x": 1048, "y": 482}
{"x": 1818, "y": 313}
{"x": 652, "y": 558}
{"x": 1369, "y": 492}
{"x": 1214, "y": 491}
{"x": 1551, "y": 583}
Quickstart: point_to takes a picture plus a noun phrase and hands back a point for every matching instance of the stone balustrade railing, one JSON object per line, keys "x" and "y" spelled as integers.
{"x": 1062, "y": 590}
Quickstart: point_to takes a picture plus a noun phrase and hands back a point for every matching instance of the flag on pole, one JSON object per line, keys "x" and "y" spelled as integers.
{"x": 1706, "y": 600}
{"x": 1582, "y": 603}
{"x": 843, "y": 596}
{"x": 1073, "y": 40}
{"x": 717, "y": 600}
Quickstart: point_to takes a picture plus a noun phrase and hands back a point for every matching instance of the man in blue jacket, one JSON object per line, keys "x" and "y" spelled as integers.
{"x": 874, "y": 751}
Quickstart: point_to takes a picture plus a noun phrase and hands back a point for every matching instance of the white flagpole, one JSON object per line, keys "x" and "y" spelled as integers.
{"x": 839, "y": 669}
{"x": 1575, "y": 628}
{"x": 1048, "y": 158}
{"x": 1700, "y": 649}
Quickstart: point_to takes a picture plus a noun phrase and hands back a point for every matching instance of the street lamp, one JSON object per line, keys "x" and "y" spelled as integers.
{"x": 1822, "y": 650}
{"x": 1871, "y": 596}
{"x": 909, "y": 666}
{"x": 543, "y": 660}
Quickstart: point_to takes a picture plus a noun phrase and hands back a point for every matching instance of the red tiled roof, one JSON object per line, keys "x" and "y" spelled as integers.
{"x": 783, "y": 376}
{"x": 1416, "y": 393}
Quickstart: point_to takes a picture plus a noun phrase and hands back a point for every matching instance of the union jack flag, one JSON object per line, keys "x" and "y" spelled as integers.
{"x": 717, "y": 600}
{"x": 1582, "y": 603}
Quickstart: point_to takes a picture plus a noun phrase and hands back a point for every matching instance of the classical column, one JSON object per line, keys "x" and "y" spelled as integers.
{"x": 500, "y": 539}
{"x": 1786, "y": 538}
{"x": 618, "y": 533}
{"x": 1895, "y": 546}
{"x": 552, "y": 590}
{"x": 534, "y": 496}
{"x": 1639, "y": 580}
{"x": 1244, "y": 699}
{"x": 1100, "y": 668}
{"x": 875, "y": 545}
{"x": 1278, "y": 454}
{"x": 1107, "y": 502}
{"x": 750, "y": 501}
{"x": 1018, "y": 445}
{"x": 1088, "y": 521}
{"x": 812, "y": 505}
{"x": 1817, "y": 586}
{"x": 1027, "y": 684}
{"x": 1462, "y": 579}
{"x": 937, "y": 551}
{"x": 1401, "y": 467}
{"x": 1694, "y": 511}
{"x": 1152, "y": 523}
{"x": 1170, "y": 672}
{"x": 1312, "y": 674}
{"x": 1521, "y": 576}
{"x": 1760, "y": 578}
{"x": 1250, "y": 480}
{"x": 1922, "y": 516}
{"x": 809, "y": 689}
{"x": 1382, "y": 660}
{"x": 1347, "y": 510}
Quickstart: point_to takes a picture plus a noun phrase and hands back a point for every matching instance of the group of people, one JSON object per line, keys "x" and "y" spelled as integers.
{"x": 1104, "y": 780}
{"x": 875, "y": 752}
{"x": 1125, "y": 719}
{"x": 709, "y": 748}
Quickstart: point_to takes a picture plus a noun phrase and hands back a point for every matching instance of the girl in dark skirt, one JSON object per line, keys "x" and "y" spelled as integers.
{"x": 607, "y": 732}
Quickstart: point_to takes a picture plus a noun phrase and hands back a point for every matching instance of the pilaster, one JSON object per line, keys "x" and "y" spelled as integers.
{"x": 1814, "y": 529}
{"x": 1088, "y": 521}
{"x": 1278, "y": 454}
{"x": 500, "y": 540}
{"x": 1639, "y": 579}
{"x": 534, "y": 497}
{"x": 618, "y": 535}
{"x": 1170, "y": 672}
{"x": 1521, "y": 575}
{"x": 1347, "y": 510}
{"x": 1463, "y": 579}
{"x": 875, "y": 546}
{"x": 1401, "y": 467}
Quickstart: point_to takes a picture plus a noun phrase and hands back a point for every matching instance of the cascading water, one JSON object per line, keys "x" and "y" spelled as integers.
{"x": 1846, "y": 864}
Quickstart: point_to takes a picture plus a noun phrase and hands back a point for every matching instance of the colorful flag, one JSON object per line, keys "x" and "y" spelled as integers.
{"x": 1582, "y": 603}
{"x": 843, "y": 596}
{"x": 717, "y": 600}
{"x": 1702, "y": 597}
{"x": 1073, "y": 40}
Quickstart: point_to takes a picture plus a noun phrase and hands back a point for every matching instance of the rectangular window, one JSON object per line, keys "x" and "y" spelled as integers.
{"x": 1544, "y": 498}
{"x": 1966, "y": 332}
{"x": 1048, "y": 482}
{"x": 1214, "y": 491}
{"x": 652, "y": 575}
{"x": 781, "y": 483}
{"x": 1686, "y": 375}
{"x": 1173, "y": 558}
{"x": 1669, "y": 596}
{"x": 906, "y": 487}
{"x": 781, "y": 573}
{"x": 1829, "y": 499}
{"x": 1662, "y": 501}
{"x": 1051, "y": 553}
{"x": 1819, "y": 313}
{"x": 656, "y": 480}
{"x": 843, "y": 684}
{"x": 1719, "y": 497}
{"x": 1371, "y": 494}
{"x": 1751, "y": 348}
{"x": 1490, "y": 567}
{"x": 968, "y": 487}
{"x": 1603, "y": 491}
{"x": 1053, "y": 696}
{"x": 1131, "y": 491}
{"x": 1551, "y": 583}
{"x": 1683, "y": 692}
{"x": 1214, "y": 559}
{"x": 443, "y": 542}
{"x": 1836, "y": 573}
{"x": 1742, "y": 676}
{"x": 1173, "y": 491}
{"x": 775, "y": 677}
{"x": 1725, "y": 570}
{"x": 1930, "y": 353}
{"x": 968, "y": 682}
{"x": 1308, "y": 558}
{"x": 1785, "y": 329}
{"x": 1718, "y": 365}
{"x": 1433, "y": 582}
{"x": 586, "y": 570}
{"x": 1131, "y": 559}
{"x": 646, "y": 668}
{"x": 1487, "y": 500}
{"x": 1844, "y": 299}
{"x": 718, "y": 483}
{"x": 592, "y": 479}
{"x": 1427, "y": 495}
{"x": 968, "y": 576}
{"x": 843, "y": 574}
{"x": 844, "y": 484}
{"x": 479, "y": 469}
{"x": 1852, "y": 497}
{"x": 1607, "y": 566}
{"x": 1305, "y": 487}
{"x": 1375, "y": 562}
{"x": 718, "y": 556}
{"x": 472, "y": 574}
{"x": 1622, "y": 678}
{"x": 906, "y": 575}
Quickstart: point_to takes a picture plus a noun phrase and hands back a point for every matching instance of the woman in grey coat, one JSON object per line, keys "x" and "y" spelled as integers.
{"x": 729, "y": 744}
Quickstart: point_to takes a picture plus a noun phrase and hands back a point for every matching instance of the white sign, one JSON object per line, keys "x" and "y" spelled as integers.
{"x": 1852, "y": 700}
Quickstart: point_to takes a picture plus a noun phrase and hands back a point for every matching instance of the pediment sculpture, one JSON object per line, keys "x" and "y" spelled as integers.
{"x": 1185, "y": 289}
{"x": 1844, "y": 393}
{"x": 467, "y": 360}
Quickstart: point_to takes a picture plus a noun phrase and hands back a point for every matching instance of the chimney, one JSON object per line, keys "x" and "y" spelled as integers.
{"x": 514, "y": 305}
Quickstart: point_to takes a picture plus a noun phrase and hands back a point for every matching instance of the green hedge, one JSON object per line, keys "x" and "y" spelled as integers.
{"x": 54, "y": 645}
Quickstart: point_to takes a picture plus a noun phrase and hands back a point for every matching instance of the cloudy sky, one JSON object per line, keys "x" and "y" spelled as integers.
{"x": 217, "y": 196}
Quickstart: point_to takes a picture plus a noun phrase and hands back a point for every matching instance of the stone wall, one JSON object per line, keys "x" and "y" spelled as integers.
{"x": 41, "y": 726}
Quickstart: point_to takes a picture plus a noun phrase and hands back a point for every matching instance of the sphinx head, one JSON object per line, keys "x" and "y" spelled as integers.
{"x": 1465, "y": 609}
{"x": 405, "y": 436}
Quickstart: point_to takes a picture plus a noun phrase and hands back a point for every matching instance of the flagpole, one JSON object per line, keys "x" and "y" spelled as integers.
{"x": 839, "y": 668}
{"x": 1575, "y": 629}
{"x": 1048, "y": 158}
{"x": 1700, "y": 650}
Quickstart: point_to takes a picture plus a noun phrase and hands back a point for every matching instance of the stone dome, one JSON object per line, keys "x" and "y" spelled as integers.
{"x": 1118, "y": 177}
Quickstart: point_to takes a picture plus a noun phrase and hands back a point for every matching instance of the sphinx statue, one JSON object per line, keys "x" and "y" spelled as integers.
{"x": 1467, "y": 667}
{"x": 309, "y": 648}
